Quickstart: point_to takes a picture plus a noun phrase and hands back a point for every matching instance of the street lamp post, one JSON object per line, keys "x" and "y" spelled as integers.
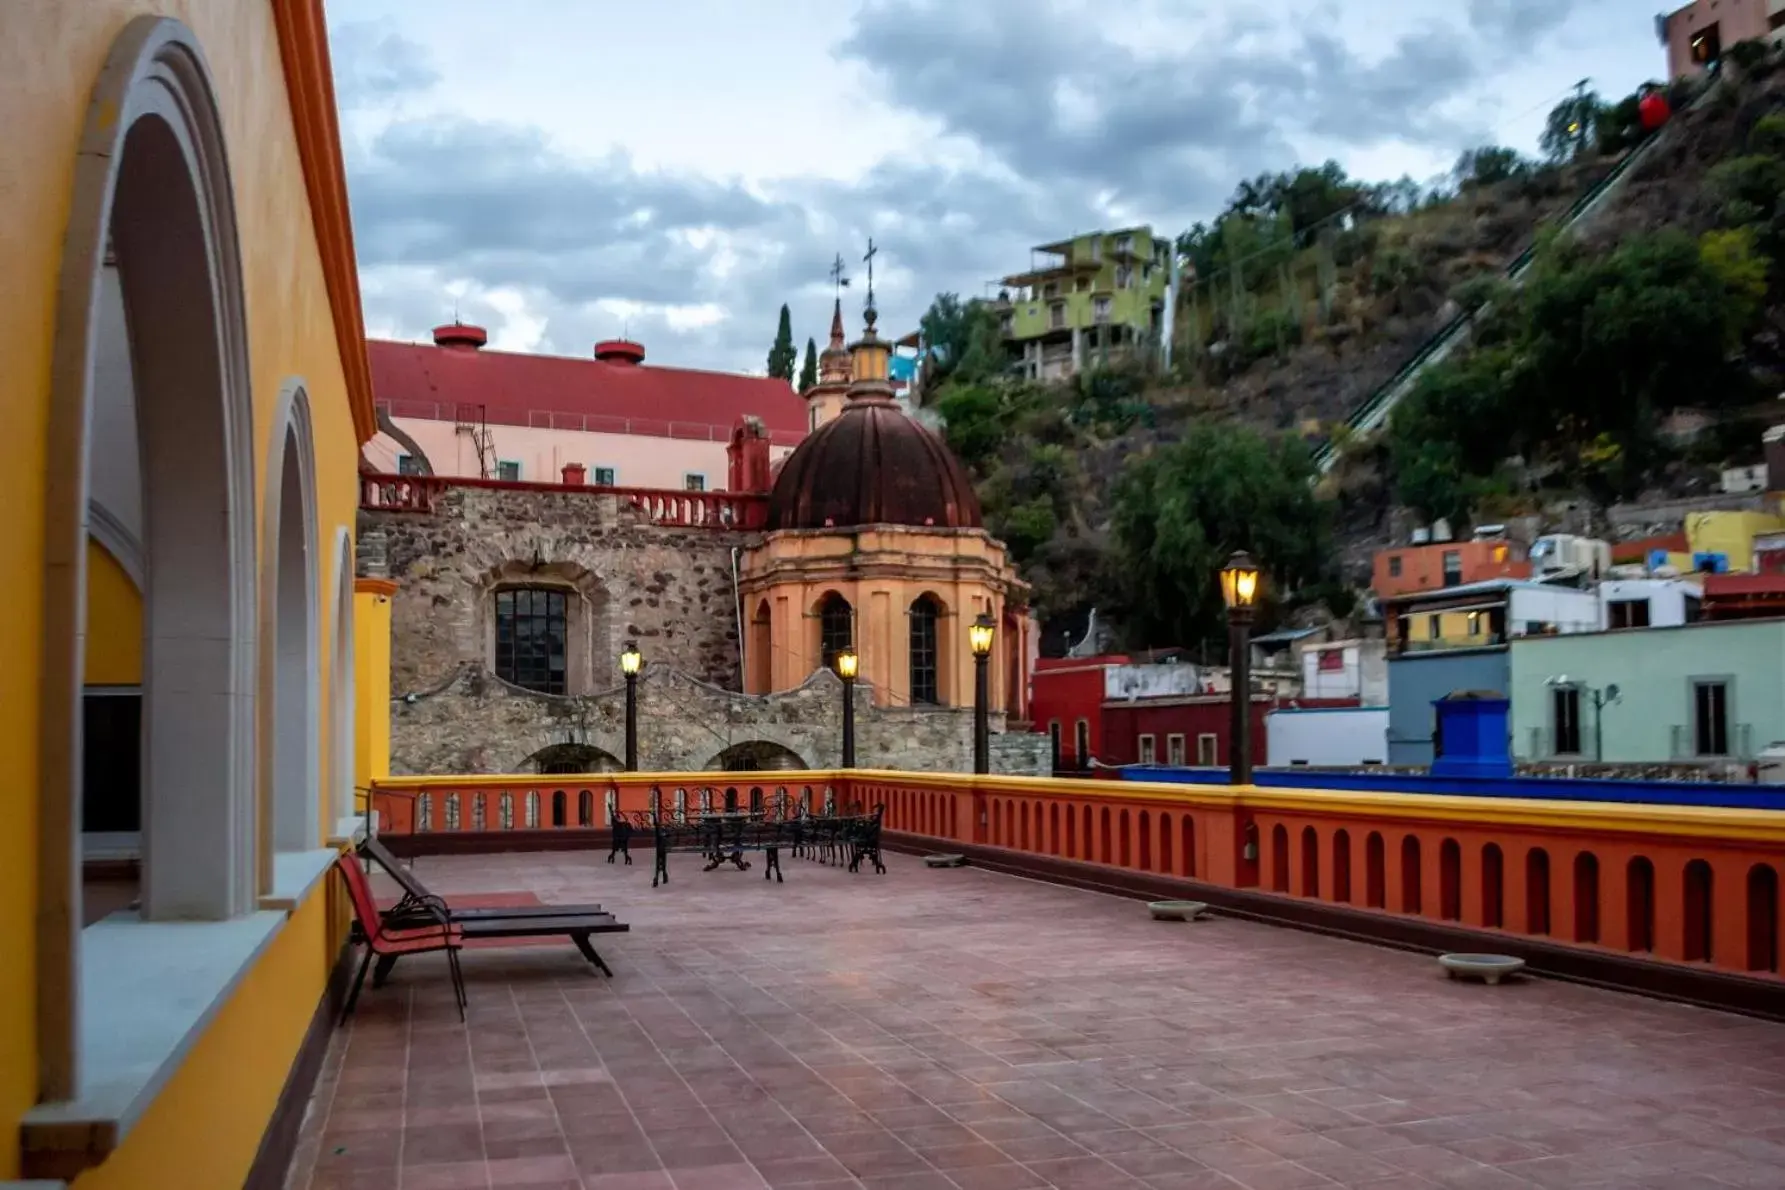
{"x": 1239, "y": 589}
{"x": 979, "y": 636}
{"x": 847, "y": 663}
{"x": 630, "y": 661}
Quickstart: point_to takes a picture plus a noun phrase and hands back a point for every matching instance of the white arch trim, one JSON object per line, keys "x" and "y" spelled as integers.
{"x": 290, "y": 632}
{"x": 343, "y": 691}
{"x": 116, "y": 538}
{"x": 199, "y": 834}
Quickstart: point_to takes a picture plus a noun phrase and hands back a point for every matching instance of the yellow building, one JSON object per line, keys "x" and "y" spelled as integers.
{"x": 1729, "y": 533}
{"x": 876, "y": 545}
{"x": 180, "y": 415}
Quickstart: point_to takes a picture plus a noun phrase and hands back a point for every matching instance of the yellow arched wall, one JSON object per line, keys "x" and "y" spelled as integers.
{"x": 114, "y": 622}
{"x": 50, "y": 58}
{"x": 205, "y": 1127}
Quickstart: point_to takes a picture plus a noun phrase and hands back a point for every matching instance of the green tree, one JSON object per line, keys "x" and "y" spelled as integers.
{"x": 783, "y": 355}
{"x": 1178, "y": 512}
{"x": 1488, "y": 165}
{"x": 1569, "y": 130}
{"x": 963, "y": 339}
{"x": 973, "y": 420}
{"x": 809, "y": 369}
{"x": 1732, "y": 258}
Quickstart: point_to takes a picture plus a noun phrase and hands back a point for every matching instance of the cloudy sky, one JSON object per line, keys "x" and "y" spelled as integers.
{"x": 567, "y": 170}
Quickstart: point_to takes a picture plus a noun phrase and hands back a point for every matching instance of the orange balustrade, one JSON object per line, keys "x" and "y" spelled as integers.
{"x": 1687, "y": 885}
{"x": 695, "y": 510}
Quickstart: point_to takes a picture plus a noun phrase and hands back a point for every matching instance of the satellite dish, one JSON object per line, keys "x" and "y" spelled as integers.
{"x": 1611, "y": 692}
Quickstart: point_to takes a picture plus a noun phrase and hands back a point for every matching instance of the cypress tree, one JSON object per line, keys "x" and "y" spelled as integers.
{"x": 783, "y": 355}
{"x": 809, "y": 370}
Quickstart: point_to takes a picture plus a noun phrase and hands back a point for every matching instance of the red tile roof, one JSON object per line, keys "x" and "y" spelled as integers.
{"x": 421, "y": 380}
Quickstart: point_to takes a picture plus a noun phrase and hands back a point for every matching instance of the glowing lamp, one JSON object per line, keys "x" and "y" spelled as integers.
{"x": 630, "y": 660}
{"x": 847, "y": 664}
{"x": 1239, "y": 581}
{"x": 979, "y": 635}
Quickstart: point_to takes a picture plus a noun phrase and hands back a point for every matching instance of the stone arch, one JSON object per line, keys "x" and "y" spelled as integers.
{"x": 751, "y": 756}
{"x": 151, "y": 189}
{"x": 289, "y": 632}
{"x": 591, "y": 642}
{"x": 572, "y": 758}
{"x": 343, "y": 684}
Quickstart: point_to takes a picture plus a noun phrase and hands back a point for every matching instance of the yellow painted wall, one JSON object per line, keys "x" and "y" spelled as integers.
{"x": 204, "y": 1128}
{"x": 1452, "y": 626}
{"x": 50, "y": 58}
{"x": 371, "y": 706}
{"x": 1729, "y": 533}
{"x": 114, "y": 622}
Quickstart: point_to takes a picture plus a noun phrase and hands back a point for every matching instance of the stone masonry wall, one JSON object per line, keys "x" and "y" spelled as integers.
{"x": 669, "y": 590}
{"x": 476, "y": 724}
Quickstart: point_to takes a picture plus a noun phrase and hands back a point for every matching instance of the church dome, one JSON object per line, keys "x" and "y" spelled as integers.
{"x": 872, "y": 465}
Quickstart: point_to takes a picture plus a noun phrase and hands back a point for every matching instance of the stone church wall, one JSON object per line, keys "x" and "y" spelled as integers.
{"x": 667, "y": 590}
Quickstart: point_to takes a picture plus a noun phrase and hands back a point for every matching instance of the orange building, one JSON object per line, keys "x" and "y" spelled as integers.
{"x": 1697, "y": 35}
{"x": 1410, "y": 569}
{"x": 876, "y": 544}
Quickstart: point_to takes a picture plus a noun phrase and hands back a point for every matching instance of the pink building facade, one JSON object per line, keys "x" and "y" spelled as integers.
{"x": 455, "y": 409}
{"x": 1697, "y": 35}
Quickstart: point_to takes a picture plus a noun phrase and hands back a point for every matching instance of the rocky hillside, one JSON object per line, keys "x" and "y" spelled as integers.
{"x": 1311, "y": 289}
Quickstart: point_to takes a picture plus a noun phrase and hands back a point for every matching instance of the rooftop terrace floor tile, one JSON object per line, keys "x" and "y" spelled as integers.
{"x": 959, "y": 1029}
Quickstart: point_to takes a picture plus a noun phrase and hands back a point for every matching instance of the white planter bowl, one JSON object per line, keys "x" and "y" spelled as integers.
{"x": 1490, "y": 968}
{"x": 1177, "y": 910}
{"x": 945, "y": 861}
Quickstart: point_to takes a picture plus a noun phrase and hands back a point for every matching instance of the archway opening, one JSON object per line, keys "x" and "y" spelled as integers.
{"x": 293, "y": 715}
{"x": 574, "y": 758}
{"x": 151, "y": 211}
{"x": 756, "y": 756}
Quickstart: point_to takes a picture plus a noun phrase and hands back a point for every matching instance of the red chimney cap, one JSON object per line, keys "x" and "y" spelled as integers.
{"x": 620, "y": 351}
{"x": 459, "y": 334}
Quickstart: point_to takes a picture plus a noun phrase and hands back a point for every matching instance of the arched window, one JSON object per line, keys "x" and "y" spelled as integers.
{"x": 761, "y": 655}
{"x": 925, "y": 689}
{"x": 836, "y": 628}
{"x": 531, "y": 631}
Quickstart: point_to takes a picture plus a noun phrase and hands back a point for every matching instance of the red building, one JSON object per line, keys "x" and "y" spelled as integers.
{"x": 1193, "y": 730}
{"x": 1066, "y": 701}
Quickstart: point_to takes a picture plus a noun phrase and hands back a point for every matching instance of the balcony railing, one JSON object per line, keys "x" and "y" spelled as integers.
{"x": 698, "y": 510}
{"x": 1738, "y": 744}
{"x": 1480, "y": 640}
{"x": 1682, "y": 884}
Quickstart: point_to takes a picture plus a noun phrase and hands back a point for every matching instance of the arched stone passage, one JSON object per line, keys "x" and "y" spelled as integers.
{"x": 151, "y": 180}
{"x": 753, "y": 756}
{"x": 290, "y": 631}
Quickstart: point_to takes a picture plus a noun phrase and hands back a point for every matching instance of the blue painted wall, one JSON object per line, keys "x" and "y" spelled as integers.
{"x": 1568, "y": 789}
{"x": 1417, "y": 680}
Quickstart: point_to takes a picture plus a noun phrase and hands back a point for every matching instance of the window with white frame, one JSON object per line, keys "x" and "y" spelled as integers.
{"x": 605, "y": 477}
{"x": 1208, "y": 749}
{"x": 508, "y": 470}
{"x": 1174, "y": 748}
{"x": 694, "y": 482}
{"x": 1149, "y": 749}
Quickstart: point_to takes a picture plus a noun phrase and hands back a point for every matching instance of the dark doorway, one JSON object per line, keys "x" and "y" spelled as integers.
{"x": 111, "y": 762}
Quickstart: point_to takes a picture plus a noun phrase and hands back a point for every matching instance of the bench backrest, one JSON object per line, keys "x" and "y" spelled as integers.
{"x": 359, "y": 891}
{"x": 399, "y": 872}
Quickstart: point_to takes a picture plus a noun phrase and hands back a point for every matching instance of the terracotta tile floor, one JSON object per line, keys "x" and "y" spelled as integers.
{"x": 958, "y": 1030}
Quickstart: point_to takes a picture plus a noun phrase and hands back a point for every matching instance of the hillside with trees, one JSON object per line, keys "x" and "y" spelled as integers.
{"x": 1124, "y": 487}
